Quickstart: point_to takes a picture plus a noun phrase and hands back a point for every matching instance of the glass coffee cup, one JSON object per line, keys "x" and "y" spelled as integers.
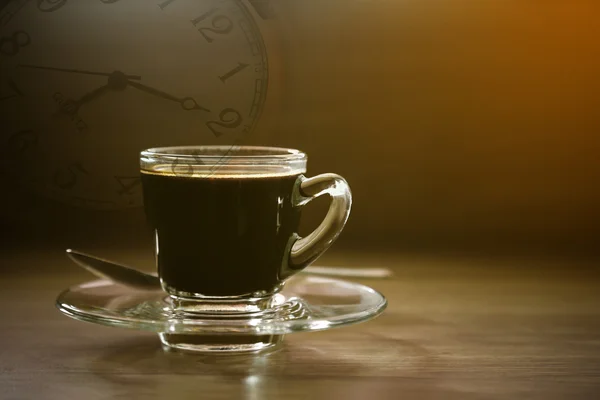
{"x": 226, "y": 220}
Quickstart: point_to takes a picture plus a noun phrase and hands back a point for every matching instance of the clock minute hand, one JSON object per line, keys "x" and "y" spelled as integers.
{"x": 187, "y": 103}
{"x": 77, "y": 71}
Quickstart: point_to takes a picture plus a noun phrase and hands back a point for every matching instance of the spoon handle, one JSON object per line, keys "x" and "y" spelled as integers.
{"x": 115, "y": 272}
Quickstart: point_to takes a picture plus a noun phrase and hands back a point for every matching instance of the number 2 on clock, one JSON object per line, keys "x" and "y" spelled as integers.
{"x": 229, "y": 119}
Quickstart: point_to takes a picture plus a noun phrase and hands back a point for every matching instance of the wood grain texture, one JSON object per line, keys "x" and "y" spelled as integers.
{"x": 455, "y": 328}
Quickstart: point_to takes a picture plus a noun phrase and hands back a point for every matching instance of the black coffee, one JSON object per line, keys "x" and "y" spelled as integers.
{"x": 220, "y": 236}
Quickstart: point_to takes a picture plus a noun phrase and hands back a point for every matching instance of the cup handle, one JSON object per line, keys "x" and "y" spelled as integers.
{"x": 307, "y": 249}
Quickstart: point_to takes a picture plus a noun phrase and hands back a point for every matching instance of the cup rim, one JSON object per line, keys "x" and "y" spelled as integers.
{"x": 230, "y": 152}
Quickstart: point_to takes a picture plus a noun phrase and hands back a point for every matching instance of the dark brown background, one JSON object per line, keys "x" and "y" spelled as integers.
{"x": 460, "y": 125}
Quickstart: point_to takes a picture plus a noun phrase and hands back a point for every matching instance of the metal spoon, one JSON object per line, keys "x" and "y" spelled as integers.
{"x": 115, "y": 272}
{"x": 132, "y": 277}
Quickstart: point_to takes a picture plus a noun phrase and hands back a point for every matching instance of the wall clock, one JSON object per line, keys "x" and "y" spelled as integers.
{"x": 86, "y": 84}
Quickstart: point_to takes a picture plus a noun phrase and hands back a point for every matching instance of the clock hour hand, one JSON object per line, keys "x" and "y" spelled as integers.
{"x": 187, "y": 103}
{"x": 72, "y": 106}
{"x": 117, "y": 81}
{"x": 91, "y": 95}
{"x": 78, "y": 71}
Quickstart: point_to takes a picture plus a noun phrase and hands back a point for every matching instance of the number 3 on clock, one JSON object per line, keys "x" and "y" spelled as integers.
{"x": 128, "y": 183}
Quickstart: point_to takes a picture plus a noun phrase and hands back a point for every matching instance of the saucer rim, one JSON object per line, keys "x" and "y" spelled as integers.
{"x": 204, "y": 327}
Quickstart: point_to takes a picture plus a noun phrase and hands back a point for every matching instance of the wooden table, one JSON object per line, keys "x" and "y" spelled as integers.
{"x": 455, "y": 328}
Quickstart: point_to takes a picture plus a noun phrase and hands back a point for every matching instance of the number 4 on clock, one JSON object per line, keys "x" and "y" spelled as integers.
{"x": 128, "y": 183}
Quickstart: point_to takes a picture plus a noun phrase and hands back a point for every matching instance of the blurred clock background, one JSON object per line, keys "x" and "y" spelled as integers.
{"x": 461, "y": 126}
{"x": 86, "y": 85}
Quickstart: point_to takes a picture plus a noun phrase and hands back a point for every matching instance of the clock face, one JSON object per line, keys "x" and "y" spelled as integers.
{"x": 85, "y": 85}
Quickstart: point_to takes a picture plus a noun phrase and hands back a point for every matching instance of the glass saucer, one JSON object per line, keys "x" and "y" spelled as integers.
{"x": 307, "y": 303}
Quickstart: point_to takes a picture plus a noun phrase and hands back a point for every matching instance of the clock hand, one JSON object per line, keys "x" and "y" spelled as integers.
{"x": 187, "y": 103}
{"x": 91, "y": 95}
{"x": 116, "y": 81}
{"x": 78, "y": 71}
{"x": 72, "y": 106}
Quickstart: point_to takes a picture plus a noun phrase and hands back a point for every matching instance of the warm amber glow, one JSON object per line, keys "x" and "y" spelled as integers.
{"x": 474, "y": 116}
